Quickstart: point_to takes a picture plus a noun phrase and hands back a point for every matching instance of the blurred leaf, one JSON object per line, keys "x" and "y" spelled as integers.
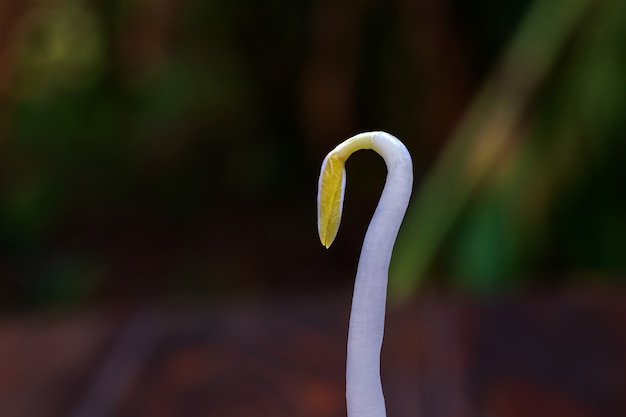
{"x": 60, "y": 48}
{"x": 483, "y": 138}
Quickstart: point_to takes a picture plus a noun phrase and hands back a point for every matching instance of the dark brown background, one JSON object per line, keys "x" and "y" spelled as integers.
{"x": 158, "y": 172}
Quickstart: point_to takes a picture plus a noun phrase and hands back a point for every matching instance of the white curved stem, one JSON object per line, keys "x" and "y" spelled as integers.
{"x": 364, "y": 393}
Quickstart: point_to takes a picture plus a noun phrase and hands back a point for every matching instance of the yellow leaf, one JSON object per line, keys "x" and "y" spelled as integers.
{"x": 330, "y": 199}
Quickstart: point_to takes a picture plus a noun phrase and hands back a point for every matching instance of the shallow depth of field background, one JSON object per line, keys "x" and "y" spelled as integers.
{"x": 159, "y": 156}
{"x": 170, "y": 149}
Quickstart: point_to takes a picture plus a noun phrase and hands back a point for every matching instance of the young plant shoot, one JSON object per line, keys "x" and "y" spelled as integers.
{"x": 364, "y": 394}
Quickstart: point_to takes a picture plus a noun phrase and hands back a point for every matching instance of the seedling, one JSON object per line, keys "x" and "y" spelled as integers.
{"x": 364, "y": 394}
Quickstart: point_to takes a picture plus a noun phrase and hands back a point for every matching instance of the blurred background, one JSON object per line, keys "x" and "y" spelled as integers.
{"x": 159, "y": 156}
